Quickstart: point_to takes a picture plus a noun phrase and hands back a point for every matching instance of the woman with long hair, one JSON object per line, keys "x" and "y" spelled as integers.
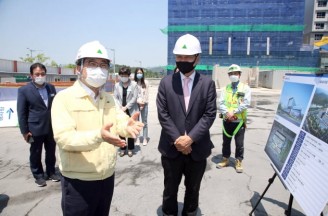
{"x": 142, "y": 101}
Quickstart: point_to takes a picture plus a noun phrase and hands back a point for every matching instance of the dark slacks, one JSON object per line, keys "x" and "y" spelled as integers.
{"x": 86, "y": 198}
{"x": 239, "y": 140}
{"x": 130, "y": 143}
{"x": 36, "y": 155}
{"x": 193, "y": 172}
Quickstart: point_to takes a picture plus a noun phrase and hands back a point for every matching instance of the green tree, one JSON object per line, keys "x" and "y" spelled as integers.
{"x": 38, "y": 58}
{"x": 41, "y": 58}
{"x": 54, "y": 64}
{"x": 28, "y": 58}
{"x": 70, "y": 66}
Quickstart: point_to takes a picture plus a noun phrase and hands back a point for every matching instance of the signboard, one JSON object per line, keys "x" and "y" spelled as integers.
{"x": 8, "y": 106}
{"x": 8, "y": 114}
{"x": 22, "y": 78}
{"x": 298, "y": 142}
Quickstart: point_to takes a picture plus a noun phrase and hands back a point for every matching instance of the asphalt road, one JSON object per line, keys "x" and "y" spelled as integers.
{"x": 139, "y": 180}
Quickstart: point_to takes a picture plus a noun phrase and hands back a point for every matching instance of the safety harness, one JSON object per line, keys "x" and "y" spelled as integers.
{"x": 232, "y": 101}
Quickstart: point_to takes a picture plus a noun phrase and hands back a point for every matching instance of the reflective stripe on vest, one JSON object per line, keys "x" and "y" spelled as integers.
{"x": 231, "y": 102}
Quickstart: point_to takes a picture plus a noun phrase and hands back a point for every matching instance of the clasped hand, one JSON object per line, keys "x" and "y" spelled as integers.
{"x": 230, "y": 116}
{"x": 133, "y": 128}
{"x": 183, "y": 144}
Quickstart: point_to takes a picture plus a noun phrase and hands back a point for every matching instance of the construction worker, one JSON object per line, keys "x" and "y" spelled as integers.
{"x": 233, "y": 103}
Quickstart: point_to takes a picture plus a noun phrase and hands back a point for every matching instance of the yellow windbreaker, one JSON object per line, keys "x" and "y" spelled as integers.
{"x": 76, "y": 123}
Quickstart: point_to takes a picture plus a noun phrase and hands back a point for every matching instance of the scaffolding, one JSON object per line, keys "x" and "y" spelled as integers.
{"x": 266, "y": 34}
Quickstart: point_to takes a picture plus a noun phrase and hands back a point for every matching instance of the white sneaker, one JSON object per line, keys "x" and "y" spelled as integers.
{"x": 144, "y": 143}
{"x": 137, "y": 142}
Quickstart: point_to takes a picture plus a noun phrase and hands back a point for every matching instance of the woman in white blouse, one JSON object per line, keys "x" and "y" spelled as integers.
{"x": 142, "y": 101}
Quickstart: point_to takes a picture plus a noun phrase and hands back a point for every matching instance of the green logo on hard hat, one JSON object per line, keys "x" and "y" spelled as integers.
{"x": 184, "y": 46}
{"x": 233, "y": 68}
{"x": 99, "y": 51}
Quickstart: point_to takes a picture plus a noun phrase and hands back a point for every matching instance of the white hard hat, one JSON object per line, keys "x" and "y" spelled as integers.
{"x": 92, "y": 49}
{"x": 234, "y": 68}
{"x": 187, "y": 45}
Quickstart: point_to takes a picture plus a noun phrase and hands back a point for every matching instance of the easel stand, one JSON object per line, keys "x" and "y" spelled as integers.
{"x": 270, "y": 182}
{"x": 288, "y": 211}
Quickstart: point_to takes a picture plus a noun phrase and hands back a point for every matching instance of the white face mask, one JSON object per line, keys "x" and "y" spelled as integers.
{"x": 234, "y": 78}
{"x": 124, "y": 79}
{"x": 40, "y": 80}
{"x": 139, "y": 76}
{"x": 96, "y": 77}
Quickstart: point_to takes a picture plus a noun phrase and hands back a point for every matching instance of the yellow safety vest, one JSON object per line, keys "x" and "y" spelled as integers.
{"x": 232, "y": 101}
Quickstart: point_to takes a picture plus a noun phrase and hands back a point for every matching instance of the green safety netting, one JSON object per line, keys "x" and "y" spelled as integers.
{"x": 294, "y": 68}
{"x": 261, "y": 68}
{"x": 232, "y": 28}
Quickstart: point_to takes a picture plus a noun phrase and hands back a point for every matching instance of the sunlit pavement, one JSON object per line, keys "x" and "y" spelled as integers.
{"x": 139, "y": 179}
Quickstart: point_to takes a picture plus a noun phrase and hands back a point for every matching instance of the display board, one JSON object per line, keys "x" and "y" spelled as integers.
{"x": 8, "y": 106}
{"x": 8, "y": 114}
{"x": 298, "y": 142}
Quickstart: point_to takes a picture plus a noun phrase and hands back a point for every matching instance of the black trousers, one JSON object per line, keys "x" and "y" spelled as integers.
{"x": 36, "y": 155}
{"x": 193, "y": 172}
{"x": 86, "y": 198}
{"x": 239, "y": 140}
{"x": 130, "y": 143}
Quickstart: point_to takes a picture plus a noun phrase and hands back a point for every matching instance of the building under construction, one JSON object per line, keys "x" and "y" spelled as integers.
{"x": 252, "y": 33}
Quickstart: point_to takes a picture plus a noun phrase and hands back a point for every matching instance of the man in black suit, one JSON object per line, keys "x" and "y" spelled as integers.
{"x": 34, "y": 116}
{"x": 186, "y": 104}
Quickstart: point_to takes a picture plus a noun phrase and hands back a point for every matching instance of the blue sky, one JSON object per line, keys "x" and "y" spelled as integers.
{"x": 60, "y": 27}
{"x": 299, "y": 91}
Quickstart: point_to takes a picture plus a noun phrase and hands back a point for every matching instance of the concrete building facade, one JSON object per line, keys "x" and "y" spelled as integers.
{"x": 316, "y": 26}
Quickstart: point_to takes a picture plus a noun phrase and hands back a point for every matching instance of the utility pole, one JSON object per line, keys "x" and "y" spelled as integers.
{"x": 113, "y": 50}
{"x": 140, "y": 63}
{"x": 113, "y": 59}
{"x": 31, "y": 51}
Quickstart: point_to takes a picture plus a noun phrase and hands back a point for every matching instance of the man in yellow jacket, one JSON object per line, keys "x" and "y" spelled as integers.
{"x": 233, "y": 103}
{"x": 87, "y": 125}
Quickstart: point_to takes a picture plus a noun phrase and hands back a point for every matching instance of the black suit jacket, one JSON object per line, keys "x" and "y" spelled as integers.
{"x": 33, "y": 115}
{"x": 196, "y": 121}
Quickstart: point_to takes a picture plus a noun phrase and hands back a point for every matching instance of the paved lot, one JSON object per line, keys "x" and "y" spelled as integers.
{"x": 139, "y": 180}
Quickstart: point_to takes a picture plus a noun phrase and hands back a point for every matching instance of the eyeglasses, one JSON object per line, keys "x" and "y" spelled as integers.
{"x": 233, "y": 73}
{"x": 93, "y": 64}
{"x": 39, "y": 74}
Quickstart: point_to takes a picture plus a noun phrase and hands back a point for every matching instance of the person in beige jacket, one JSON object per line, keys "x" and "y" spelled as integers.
{"x": 143, "y": 95}
{"x": 87, "y": 124}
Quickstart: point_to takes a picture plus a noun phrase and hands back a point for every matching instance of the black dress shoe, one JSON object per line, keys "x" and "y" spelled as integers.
{"x": 40, "y": 182}
{"x": 54, "y": 177}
